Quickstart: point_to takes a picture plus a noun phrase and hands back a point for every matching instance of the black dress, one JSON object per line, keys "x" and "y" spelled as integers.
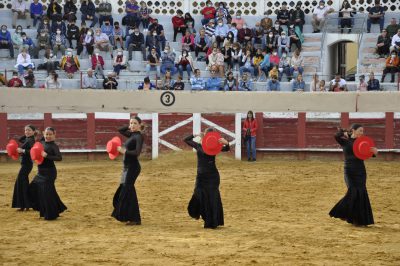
{"x": 354, "y": 207}
{"x": 20, "y": 196}
{"x": 42, "y": 190}
{"x": 206, "y": 199}
{"x": 126, "y": 206}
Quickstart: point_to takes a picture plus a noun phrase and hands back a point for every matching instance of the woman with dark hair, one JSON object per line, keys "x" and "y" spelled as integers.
{"x": 20, "y": 196}
{"x": 346, "y": 12}
{"x": 354, "y": 207}
{"x": 206, "y": 199}
{"x": 250, "y": 127}
{"x": 42, "y": 191}
{"x": 125, "y": 202}
{"x": 189, "y": 20}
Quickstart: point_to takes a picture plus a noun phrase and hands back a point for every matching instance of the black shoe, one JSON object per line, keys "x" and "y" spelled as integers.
{"x": 249, "y": 159}
{"x": 368, "y": 31}
{"x": 254, "y": 159}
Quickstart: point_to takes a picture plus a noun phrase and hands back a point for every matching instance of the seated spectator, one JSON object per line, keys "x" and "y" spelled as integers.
{"x": 29, "y": 79}
{"x": 50, "y": 62}
{"x": 70, "y": 10}
{"x": 230, "y": 83}
{"x": 395, "y": 46}
{"x": 373, "y": 83}
{"x": 153, "y": 62}
{"x": 238, "y": 20}
{"x": 5, "y": 40}
{"x": 89, "y": 81}
{"x": 210, "y": 31}
{"x": 145, "y": 15}
{"x": 70, "y": 64}
{"x": 72, "y": 33}
{"x": 295, "y": 37}
{"x": 27, "y": 44}
{"x": 15, "y": 81}
{"x": 214, "y": 82}
{"x": 119, "y": 62}
{"x": 221, "y": 32}
{"x": 391, "y": 66}
{"x": 245, "y": 35}
{"x": 178, "y": 23}
{"x": 346, "y": 14}
{"x": 168, "y": 82}
{"x": 110, "y": 83}
{"x": 86, "y": 40}
{"x": 265, "y": 66}
{"x": 208, "y": 13}
{"x": 266, "y": 23}
{"x": 16, "y": 38}
{"x": 132, "y": 18}
{"x": 102, "y": 42}
{"x": 232, "y": 34}
{"x": 185, "y": 63}
{"x": 271, "y": 41}
{"x": 284, "y": 67}
{"x": 362, "y": 85}
{"x": 320, "y": 14}
{"x": 88, "y": 11}
{"x": 245, "y": 83}
{"x": 191, "y": 29}
{"x": 283, "y": 16}
{"x": 152, "y": 40}
{"x": 54, "y": 10}
{"x": 222, "y": 10}
{"x": 273, "y": 72}
{"x": 118, "y": 35}
{"x": 236, "y": 56}
{"x": 168, "y": 61}
{"x": 257, "y": 60}
{"x": 146, "y": 85}
{"x": 338, "y": 84}
{"x": 23, "y": 62}
{"x": 197, "y": 82}
{"x": 52, "y": 81}
{"x": 44, "y": 25}
{"x": 216, "y": 60}
{"x": 227, "y": 53}
{"x": 20, "y": 10}
{"x": 296, "y": 64}
{"x": 105, "y": 12}
{"x": 159, "y": 29}
{"x": 376, "y": 15}
{"x": 277, "y": 29}
{"x": 258, "y": 35}
{"x": 283, "y": 44}
{"x": 298, "y": 84}
{"x": 59, "y": 42}
{"x": 274, "y": 58}
{"x": 136, "y": 43}
{"x": 202, "y": 42}
{"x": 189, "y": 20}
{"x": 187, "y": 42}
{"x": 314, "y": 84}
{"x": 36, "y": 11}
{"x": 273, "y": 84}
{"x": 392, "y": 28}
{"x": 179, "y": 85}
{"x": 321, "y": 86}
{"x": 97, "y": 64}
{"x": 59, "y": 25}
{"x": 297, "y": 16}
{"x": 383, "y": 44}
{"x": 159, "y": 85}
{"x": 43, "y": 43}
{"x": 108, "y": 29}
{"x": 3, "y": 80}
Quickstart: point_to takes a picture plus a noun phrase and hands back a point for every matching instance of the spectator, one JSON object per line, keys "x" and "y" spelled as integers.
{"x": 58, "y": 25}
{"x": 202, "y": 42}
{"x": 373, "y": 83}
{"x": 392, "y": 28}
{"x": 59, "y": 42}
{"x": 314, "y": 84}
{"x": 20, "y": 9}
{"x": 208, "y": 13}
{"x": 295, "y": 36}
{"x": 88, "y": 11}
{"x": 185, "y": 63}
{"x": 210, "y": 31}
{"x": 214, "y": 82}
{"x": 216, "y": 60}
{"x": 191, "y": 29}
{"x": 346, "y": 12}
{"x": 153, "y": 62}
{"x": 376, "y": 15}
{"x": 86, "y": 40}
{"x": 108, "y": 29}
{"x": 273, "y": 84}
{"x": 152, "y": 40}
{"x": 271, "y": 41}
{"x": 189, "y": 20}
{"x": 70, "y": 64}
{"x": 383, "y": 44}
{"x": 97, "y": 64}
{"x": 197, "y": 82}
{"x": 266, "y": 23}
{"x": 321, "y": 86}
{"x": 222, "y": 10}
{"x": 27, "y": 44}
{"x": 297, "y": 16}
{"x": 245, "y": 83}
{"x": 298, "y": 84}
{"x": 283, "y": 15}
{"x": 362, "y": 85}
{"x": 132, "y": 18}
{"x": 273, "y": 72}
{"x": 43, "y": 42}
{"x": 102, "y": 42}
{"x": 159, "y": 29}
{"x": 72, "y": 33}
{"x": 284, "y": 67}
{"x": 265, "y": 66}
{"x": 178, "y": 84}
{"x": 187, "y": 41}
{"x": 54, "y": 11}
{"x": 52, "y": 81}
{"x": 245, "y": 35}
{"x": 44, "y": 25}
{"x": 110, "y": 83}
{"x": 178, "y": 23}
{"x": 118, "y": 35}
{"x": 159, "y": 85}
{"x": 258, "y": 35}
{"x": 15, "y": 81}
{"x": 23, "y": 62}
{"x": 230, "y": 83}
{"x": 296, "y": 64}
{"x": 227, "y": 53}
{"x": 105, "y": 12}
{"x": 29, "y": 79}
{"x": 146, "y": 85}
{"x": 338, "y": 84}
{"x": 3, "y": 80}
{"x": 391, "y": 66}
{"x": 221, "y": 31}
{"x": 168, "y": 82}
{"x": 119, "y": 62}
{"x": 89, "y": 81}
{"x": 250, "y": 128}
{"x": 50, "y": 62}
{"x": 236, "y": 56}
{"x": 16, "y": 38}
{"x": 70, "y": 10}
{"x": 136, "y": 43}
{"x": 168, "y": 61}
{"x": 36, "y": 11}
{"x": 277, "y": 29}
{"x": 319, "y": 16}
{"x": 257, "y": 60}
{"x": 283, "y": 44}
{"x": 144, "y": 15}
{"x": 395, "y": 46}
{"x": 5, "y": 40}
{"x": 238, "y": 20}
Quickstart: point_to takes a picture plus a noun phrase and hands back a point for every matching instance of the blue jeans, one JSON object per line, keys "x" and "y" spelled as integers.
{"x": 380, "y": 20}
{"x": 188, "y": 69}
{"x": 152, "y": 68}
{"x": 246, "y": 69}
{"x": 94, "y": 20}
{"x": 299, "y": 71}
{"x": 251, "y": 147}
{"x": 21, "y": 68}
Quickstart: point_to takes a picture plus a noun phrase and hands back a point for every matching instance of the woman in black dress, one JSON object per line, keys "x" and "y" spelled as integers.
{"x": 42, "y": 190}
{"x": 126, "y": 206}
{"x": 354, "y": 207}
{"x": 206, "y": 200}
{"x": 20, "y": 197}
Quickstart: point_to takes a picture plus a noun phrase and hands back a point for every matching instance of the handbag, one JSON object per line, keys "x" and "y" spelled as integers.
{"x": 247, "y": 135}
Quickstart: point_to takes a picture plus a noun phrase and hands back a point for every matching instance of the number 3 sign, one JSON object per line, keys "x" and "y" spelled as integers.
{"x": 167, "y": 98}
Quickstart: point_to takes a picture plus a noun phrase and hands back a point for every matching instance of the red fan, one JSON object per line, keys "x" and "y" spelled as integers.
{"x": 36, "y": 153}
{"x": 210, "y": 143}
{"x": 112, "y": 147}
{"x": 11, "y": 148}
{"x": 362, "y": 147}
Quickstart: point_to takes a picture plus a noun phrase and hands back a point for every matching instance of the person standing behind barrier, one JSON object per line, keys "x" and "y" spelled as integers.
{"x": 250, "y": 127}
{"x": 320, "y": 14}
{"x": 376, "y": 15}
{"x": 125, "y": 202}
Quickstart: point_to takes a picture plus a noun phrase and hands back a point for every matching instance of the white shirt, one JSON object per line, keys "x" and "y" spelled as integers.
{"x": 24, "y": 61}
{"x": 395, "y": 38}
{"x": 320, "y": 13}
{"x": 342, "y": 82}
{"x": 19, "y": 6}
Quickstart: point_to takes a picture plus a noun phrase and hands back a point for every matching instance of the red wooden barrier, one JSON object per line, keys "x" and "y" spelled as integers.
{"x": 3, "y": 131}
{"x": 344, "y": 120}
{"x": 91, "y": 133}
{"x": 48, "y": 120}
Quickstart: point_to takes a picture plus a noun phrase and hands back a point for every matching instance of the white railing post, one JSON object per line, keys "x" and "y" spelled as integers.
{"x": 196, "y": 123}
{"x": 238, "y": 136}
{"x": 155, "y": 138}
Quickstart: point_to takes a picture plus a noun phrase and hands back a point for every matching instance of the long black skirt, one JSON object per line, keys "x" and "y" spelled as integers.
{"x": 43, "y": 194}
{"x": 125, "y": 201}
{"x": 206, "y": 200}
{"x": 20, "y": 195}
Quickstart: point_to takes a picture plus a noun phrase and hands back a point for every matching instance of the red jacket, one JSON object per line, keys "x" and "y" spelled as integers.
{"x": 208, "y": 12}
{"x": 252, "y": 125}
{"x": 94, "y": 61}
{"x": 178, "y": 21}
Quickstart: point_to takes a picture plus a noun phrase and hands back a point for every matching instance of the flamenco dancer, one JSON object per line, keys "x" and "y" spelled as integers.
{"x": 206, "y": 200}
{"x": 42, "y": 190}
{"x": 20, "y": 196}
{"x": 126, "y": 206}
{"x": 354, "y": 207}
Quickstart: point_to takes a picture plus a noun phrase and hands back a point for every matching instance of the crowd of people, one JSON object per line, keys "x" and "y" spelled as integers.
{"x": 236, "y": 55}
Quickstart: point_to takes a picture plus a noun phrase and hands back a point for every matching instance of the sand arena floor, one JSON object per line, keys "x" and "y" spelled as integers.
{"x": 276, "y": 213}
